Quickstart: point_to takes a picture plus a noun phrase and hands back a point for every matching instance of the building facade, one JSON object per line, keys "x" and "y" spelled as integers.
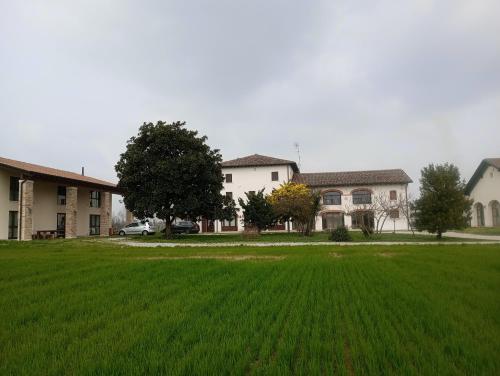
{"x": 484, "y": 188}
{"x": 40, "y": 201}
{"x": 347, "y": 197}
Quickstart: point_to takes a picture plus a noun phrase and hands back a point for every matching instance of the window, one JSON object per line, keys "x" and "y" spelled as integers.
{"x": 13, "y": 224}
{"x": 480, "y": 214}
{"x": 361, "y": 197}
{"x": 332, "y": 198}
{"x": 394, "y": 213}
{"x": 229, "y": 178}
{"x": 61, "y": 195}
{"x": 495, "y": 213}
{"x": 274, "y": 176}
{"x": 332, "y": 220}
{"x": 229, "y": 195}
{"x": 61, "y": 225}
{"x": 135, "y": 224}
{"x": 95, "y": 199}
{"x": 363, "y": 219}
{"x": 229, "y": 223}
{"x": 393, "y": 195}
{"x": 95, "y": 225}
{"x": 251, "y": 193}
{"x": 14, "y": 189}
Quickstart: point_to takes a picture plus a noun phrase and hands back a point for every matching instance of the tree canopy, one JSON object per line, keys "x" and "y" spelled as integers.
{"x": 296, "y": 202}
{"x": 442, "y": 204}
{"x": 257, "y": 211}
{"x": 169, "y": 171}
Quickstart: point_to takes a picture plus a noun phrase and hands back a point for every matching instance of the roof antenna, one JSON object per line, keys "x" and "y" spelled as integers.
{"x": 297, "y": 148}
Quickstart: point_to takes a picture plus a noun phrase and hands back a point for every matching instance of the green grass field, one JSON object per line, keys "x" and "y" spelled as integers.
{"x": 357, "y": 236}
{"x": 91, "y": 307}
{"x": 482, "y": 230}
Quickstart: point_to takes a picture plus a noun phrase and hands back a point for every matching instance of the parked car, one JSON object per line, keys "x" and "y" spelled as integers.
{"x": 184, "y": 227}
{"x": 137, "y": 228}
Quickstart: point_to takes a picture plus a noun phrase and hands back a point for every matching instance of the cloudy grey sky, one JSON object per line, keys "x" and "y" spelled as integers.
{"x": 359, "y": 84}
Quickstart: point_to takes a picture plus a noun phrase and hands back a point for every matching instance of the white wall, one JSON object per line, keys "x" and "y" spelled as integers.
{"x": 486, "y": 191}
{"x": 247, "y": 179}
{"x": 346, "y": 205}
{"x": 45, "y": 206}
{"x": 84, "y": 211}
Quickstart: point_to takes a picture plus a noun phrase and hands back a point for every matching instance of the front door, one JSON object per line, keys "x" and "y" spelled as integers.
{"x": 207, "y": 225}
{"x": 61, "y": 225}
{"x": 13, "y": 224}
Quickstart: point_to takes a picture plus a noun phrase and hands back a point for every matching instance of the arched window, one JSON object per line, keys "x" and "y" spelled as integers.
{"x": 361, "y": 197}
{"x": 363, "y": 219}
{"x": 332, "y": 198}
{"x": 480, "y": 214}
{"x": 332, "y": 220}
{"x": 495, "y": 213}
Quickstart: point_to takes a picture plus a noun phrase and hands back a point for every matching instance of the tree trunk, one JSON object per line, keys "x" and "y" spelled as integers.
{"x": 168, "y": 229}
{"x": 439, "y": 234}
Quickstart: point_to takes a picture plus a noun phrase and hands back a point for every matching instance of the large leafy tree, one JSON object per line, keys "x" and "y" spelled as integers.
{"x": 296, "y": 202}
{"x": 257, "y": 211}
{"x": 169, "y": 171}
{"x": 442, "y": 204}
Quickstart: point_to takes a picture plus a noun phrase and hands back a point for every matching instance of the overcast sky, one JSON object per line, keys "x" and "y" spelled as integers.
{"x": 358, "y": 84}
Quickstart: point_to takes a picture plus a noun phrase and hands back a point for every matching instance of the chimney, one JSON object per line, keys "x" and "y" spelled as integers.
{"x": 83, "y": 171}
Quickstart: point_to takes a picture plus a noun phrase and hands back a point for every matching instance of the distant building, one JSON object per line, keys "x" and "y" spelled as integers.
{"x": 37, "y": 200}
{"x": 484, "y": 188}
{"x": 341, "y": 192}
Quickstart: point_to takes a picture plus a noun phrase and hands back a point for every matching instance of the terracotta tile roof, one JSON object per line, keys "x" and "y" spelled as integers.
{"x": 48, "y": 172}
{"x": 331, "y": 179}
{"x": 256, "y": 160}
{"x": 493, "y": 162}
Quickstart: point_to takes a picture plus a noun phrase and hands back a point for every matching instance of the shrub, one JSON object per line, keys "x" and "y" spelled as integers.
{"x": 250, "y": 232}
{"x": 340, "y": 234}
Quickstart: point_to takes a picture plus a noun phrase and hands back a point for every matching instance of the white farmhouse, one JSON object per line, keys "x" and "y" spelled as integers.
{"x": 342, "y": 192}
{"x": 484, "y": 188}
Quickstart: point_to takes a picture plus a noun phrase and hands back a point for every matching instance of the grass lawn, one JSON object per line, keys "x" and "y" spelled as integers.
{"x": 357, "y": 236}
{"x": 482, "y": 230}
{"x": 83, "y": 306}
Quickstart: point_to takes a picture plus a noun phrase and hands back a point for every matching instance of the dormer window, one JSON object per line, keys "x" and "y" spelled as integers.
{"x": 332, "y": 198}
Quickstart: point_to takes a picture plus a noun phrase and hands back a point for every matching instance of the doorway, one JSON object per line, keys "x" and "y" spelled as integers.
{"x": 61, "y": 225}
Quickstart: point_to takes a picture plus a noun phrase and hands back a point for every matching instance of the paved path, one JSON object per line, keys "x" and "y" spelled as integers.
{"x": 452, "y": 234}
{"x": 289, "y": 244}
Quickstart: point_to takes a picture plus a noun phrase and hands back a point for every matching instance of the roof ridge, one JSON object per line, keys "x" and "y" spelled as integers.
{"x": 52, "y": 171}
{"x": 353, "y": 171}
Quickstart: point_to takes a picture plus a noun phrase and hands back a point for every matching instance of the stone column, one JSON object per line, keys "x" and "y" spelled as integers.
{"x": 26, "y": 210}
{"x": 105, "y": 213}
{"x": 129, "y": 217}
{"x": 71, "y": 212}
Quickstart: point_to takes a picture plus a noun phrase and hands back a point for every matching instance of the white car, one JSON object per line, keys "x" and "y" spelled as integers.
{"x": 137, "y": 228}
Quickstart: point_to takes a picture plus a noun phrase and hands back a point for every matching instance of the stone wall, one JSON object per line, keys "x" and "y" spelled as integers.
{"x": 105, "y": 213}
{"x": 26, "y": 210}
{"x": 71, "y": 211}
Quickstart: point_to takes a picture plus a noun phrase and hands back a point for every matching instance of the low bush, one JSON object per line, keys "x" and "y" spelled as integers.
{"x": 340, "y": 234}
